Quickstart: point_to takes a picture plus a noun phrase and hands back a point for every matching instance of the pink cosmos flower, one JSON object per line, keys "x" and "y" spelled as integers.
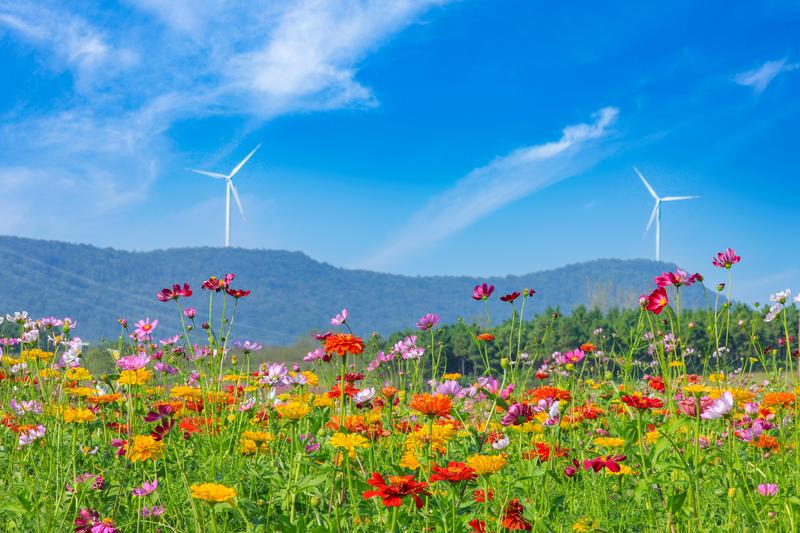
{"x": 482, "y": 292}
{"x": 177, "y": 291}
{"x": 148, "y": 487}
{"x": 427, "y": 322}
{"x": 133, "y": 362}
{"x": 726, "y": 259}
{"x": 339, "y": 319}
{"x": 721, "y": 407}
{"x": 144, "y": 328}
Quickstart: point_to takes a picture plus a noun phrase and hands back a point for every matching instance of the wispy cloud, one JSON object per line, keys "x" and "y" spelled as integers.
{"x": 489, "y": 188}
{"x": 761, "y": 77}
{"x": 150, "y": 64}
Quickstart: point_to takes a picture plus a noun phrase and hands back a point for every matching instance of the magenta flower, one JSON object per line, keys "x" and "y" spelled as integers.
{"x": 678, "y": 278}
{"x": 154, "y": 511}
{"x": 133, "y": 362}
{"x": 144, "y": 328}
{"x": 518, "y": 413}
{"x": 177, "y": 291}
{"x": 190, "y": 312}
{"x": 721, "y": 407}
{"x": 148, "y": 487}
{"x": 609, "y": 462}
{"x": 88, "y": 521}
{"x": 726, "y": 259}
{"x": 427, "y": 322}
{"x": 768, "y": 489}
{"x": 482, "y": 292}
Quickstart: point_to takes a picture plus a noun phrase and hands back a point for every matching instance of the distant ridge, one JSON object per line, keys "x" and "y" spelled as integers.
{"x": 292, "y": 294}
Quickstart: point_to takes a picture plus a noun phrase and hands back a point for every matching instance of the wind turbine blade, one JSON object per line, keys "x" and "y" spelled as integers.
{"x": 652, "y": 218}
{"x": 240, "y": 165}
{"x": 674, "y": 198}
{"x": 236, "y": 197}
{"x": 649, "y": 188}
{"x": 212, "y": 174}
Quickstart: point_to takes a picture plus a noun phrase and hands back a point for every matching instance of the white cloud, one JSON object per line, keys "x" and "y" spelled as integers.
{"x": 489, "y": 188}
{"x": 150, "y": 64}
{"x": 761, "y": 77}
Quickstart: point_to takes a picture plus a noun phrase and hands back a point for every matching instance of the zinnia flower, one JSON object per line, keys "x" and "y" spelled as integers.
{"x": 392, "y": 493}
{"x": 343, "y": 343}
{"x": 454, "y": 472}
{"x": 642, "y": 402}
{"x": 513, "y": 518}
{"x": 213, "y": 492}
{"x": 144, "y": 447}
{"x": 293, "y": 410}
{"x": 486, "y": 464}
{"x": 349, "y": 441}
{"x": 433, "y": 405}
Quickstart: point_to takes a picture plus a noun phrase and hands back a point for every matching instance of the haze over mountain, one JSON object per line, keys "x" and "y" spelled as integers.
{"x": 292, "y": 294}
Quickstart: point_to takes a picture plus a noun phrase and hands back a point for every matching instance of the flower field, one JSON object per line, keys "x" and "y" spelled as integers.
{"x": 630, "y": 430}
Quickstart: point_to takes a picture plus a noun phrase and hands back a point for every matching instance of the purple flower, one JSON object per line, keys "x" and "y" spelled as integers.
{"x": 768, "y": 489}
{"x": 314, "y": 355}
{"x": 339, "y": 319}
{"x": 170, "y": 341}
{"x": 449, "y": 388}
{"x": 726, "y": 259}
{"x": 165, "y": 368}
{"x": 518, "y": 413}
{"x": 133, "y": 362}
{"x": 156, "y": 510}
{"x": 247, "y": 346}
{"x": 148, "y": 487}
{"x": 27, "y": 437}
{"x": 427, "y": 322}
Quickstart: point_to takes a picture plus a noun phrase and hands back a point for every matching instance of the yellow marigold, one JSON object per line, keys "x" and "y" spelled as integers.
{"x": 11, "y": 361}
{"x": 585, "y": 524}
{"x": 697, "y": 389}
{"x": 322, "y": 401}
{"x": 236, "y": 377}
{"x": 438, "y": 438}
{"x": 740, "y": 395}
{"x": 293, "y": 410}
{"x": 185, "y": 392}
{"x": 47, "y": 373}
{"x": 213, "y": 492}
{"x": 409, "y": 460}
{"x": 104, "y": 398}
{"x": 140, "y": 376}
{"x": 486, "y": 464}
{"x": 144, "y": 447}
{"x": 81, "y": 391}
{"x": 36, "y": 353}
{"x": 452, "y": 376}
{"x": 311, "y": 377}
{"x": 258, "y": 436}
{"x": 77, "y": 373}
{"x": 609, "y": 442}
{"x": 652, "y": 436}
{"x": 624, "y": 470}
{"x": 349, "y": 441}
{"x": 78, "y": 415}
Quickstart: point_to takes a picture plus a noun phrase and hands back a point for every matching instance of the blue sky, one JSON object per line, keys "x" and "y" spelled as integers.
{"x": 421, "y": 137}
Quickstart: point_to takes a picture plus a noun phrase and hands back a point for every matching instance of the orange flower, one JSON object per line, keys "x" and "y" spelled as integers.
{"x": 766, "y": 442}
{"x": 343, "y": 344}
{"x": 588, "y": 347}
{"x": 433, "y": 405}
{"x": 487, "y": 337}
{"x": 778, "y": 399}
{"x": 553, "y": 393}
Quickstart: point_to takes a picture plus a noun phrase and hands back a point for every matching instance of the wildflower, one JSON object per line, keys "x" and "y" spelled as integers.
{"x": 657, "y": 301}
{"x": 152, "y": 512}
{"x": 98, "y": 483}
{"x": 610, "y": 462}
{"x": 778, "y": 399}
{"x": 343, "y": 343}
{"x": 339, "y": 319}
{"x": 454, "y": 472}
{"x": 88, "y": 521}
{"x": 216, "y": 284}
{"x": 781, "y": 297}
{"x": 486, "y": 464}
{"x": 448, "y": 388}
{"x": 501, "y": 443}
{"x": 485, "y": 337}
{"x": 513, "y": 518}
{"x": 135, "y": 377}
{"x": 190, "y": 312}
{"x": 398, "y": 487}
{"x": 247, "y": 346}
{"x": 642, "y": 402}
{"x": 349, "y": 441}
{"x": 768, "y": 489}
{"x": 518, "y": 413}
{"x": 212, "y": 492}
{"x": 510, "y": 297}
{"x": 726, "y": 259}
{"x": 432, "y": 405}
{"x": 148, "y": 487}
{"x": 133, "y": 362}
{"x": 29, "y": 435}
{"x": 482, "y": 292}
{"x": 144, "y": 447}
{"x": 609, "y": 442}
{"x": 773, "y": 312}
{"x": 79, "y": 415}
{"x": 166, "y": 294}
{"x": 293, "y": 410}
{"x": 481, "y": 496}
{"x": 427, "y": 322}
{"x": 721, "y": 407}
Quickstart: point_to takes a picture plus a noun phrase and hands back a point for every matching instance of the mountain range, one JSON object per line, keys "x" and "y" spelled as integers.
{"x": 292, "y": 294}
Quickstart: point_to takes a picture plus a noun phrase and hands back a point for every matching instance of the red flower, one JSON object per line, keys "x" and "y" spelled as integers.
{"x": 215, "y": 284}
{"x": 486, "y": 337}
{"x": 656, "y": 383}
{"x": 480, "y": 496}
{"x": 399, "y": 486}
{"x": 482, "y": 292}
{"x": 657, "y": 301}
{"x": 166, "y": 295}
{"x": 611, "y": 462}
{"x": 237, "y": 293}
{"x": 510, "y": 297}
{"x": 454, "y": 473}
{"x": 642, "y": 402}
{"x": 513, "y": 518}
{"x": 478, "y": 526}
{"x": 343, "y": 343}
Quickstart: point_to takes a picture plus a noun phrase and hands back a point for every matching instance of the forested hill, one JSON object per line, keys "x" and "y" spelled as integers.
{"x": 292, "y": 294}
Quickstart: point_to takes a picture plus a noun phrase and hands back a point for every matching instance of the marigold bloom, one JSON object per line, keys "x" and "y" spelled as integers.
{"x": 486, "y": 464}
{"x": 343, "y": 343}
{"x": 143, "y": 448}
{"x": 778, "y": 399}
{"x": 78, "y": 415}
{"x": 135, "y": 377}
{"x": 104, "y": 398}
{"x": 453, "y": 473}
{"x": 433, "y": 405}
{"x": 77, "y": 374}
{"x": 184, "y": 392}
{"x": 293, "y": 410}
{"x": 609, "y": 442}
{"x": 213, "y": 492}
{"x": 392, "y": 493}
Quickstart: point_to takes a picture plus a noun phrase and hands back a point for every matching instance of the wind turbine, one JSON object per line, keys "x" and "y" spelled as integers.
{"x": 656, "y": 214}
{"x": 229, "y": 188}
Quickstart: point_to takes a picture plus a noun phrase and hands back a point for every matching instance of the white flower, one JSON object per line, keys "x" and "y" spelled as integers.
{"x": 365, "y": 395}
{"x": 501, "y": 444}
{"x": 796, "y": 299}
{"x": 18, "y": 316}
{"x": 773, "y": 313}
{"x": 781, "y": 297}
{"x": 721, "y": 407}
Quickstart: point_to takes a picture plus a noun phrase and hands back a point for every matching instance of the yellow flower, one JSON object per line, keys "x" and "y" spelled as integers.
{"x": 676, "y": 364}
{"x": 451, "y": 377}
{"x": 293, "y": 410}
{"x": 81, "y": 391}
{"x": 236, "y": 377}
{"x": 10, "y": 361}
{"x": 140, "y": 376}
{"x": 144, "y": 447}
{"x": 717, "y": 377}
{"x": 213, "y": 492}
{"x": 652, "y": 436}
{"x": 409, "y": 460}
{"x": 184, "y": 392}
{"x": 258, "y": 436}
{"x": 36, "y": 353}
{"x": 697, "y": 388}
{"x": 312, "y": 378}
{"x": 585, "y": 524}
{"x": 486, "y": 464}
{"x": 322, "y": 401}
{"x": 47, "y": 373}
{"x": 77, "y": 374}
{"x": 78, "y": 415}
{"x": 609, "y": 442}
{"x": 624, "y": 470}
{"x": 349, "y": 441}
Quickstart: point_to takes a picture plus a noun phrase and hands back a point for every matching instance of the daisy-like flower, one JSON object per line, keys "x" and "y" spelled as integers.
{"x": 213, "y": 492}
{"x": 726, "y": 259}
{"x": 339, "y": 319}
{"x": 144, "y": 328}
{"x": 293, "y": 410}
{"x": 148, "y": 487}
{"x": 349, "y": 441}
{"x": 343, "y": 343}
{"x": 143, "y": 448}
{"x": 454, "y": 472}
{"x": 721, "y": 407}
{"x": 432, "y": 405}
{"x": 427, "y": 322}
{"x": 29, "y": 435}
{"x": 398, "y": 487}
{"x": 767, "y": 489}
{"x": 152, "y": 512}
{"x": 177, "y": 291}
{"x": 485, "y": 465}
{"x": 133, "y": 362}
{"x": 482, "y": 292}
{"x": 781, "y": 297}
